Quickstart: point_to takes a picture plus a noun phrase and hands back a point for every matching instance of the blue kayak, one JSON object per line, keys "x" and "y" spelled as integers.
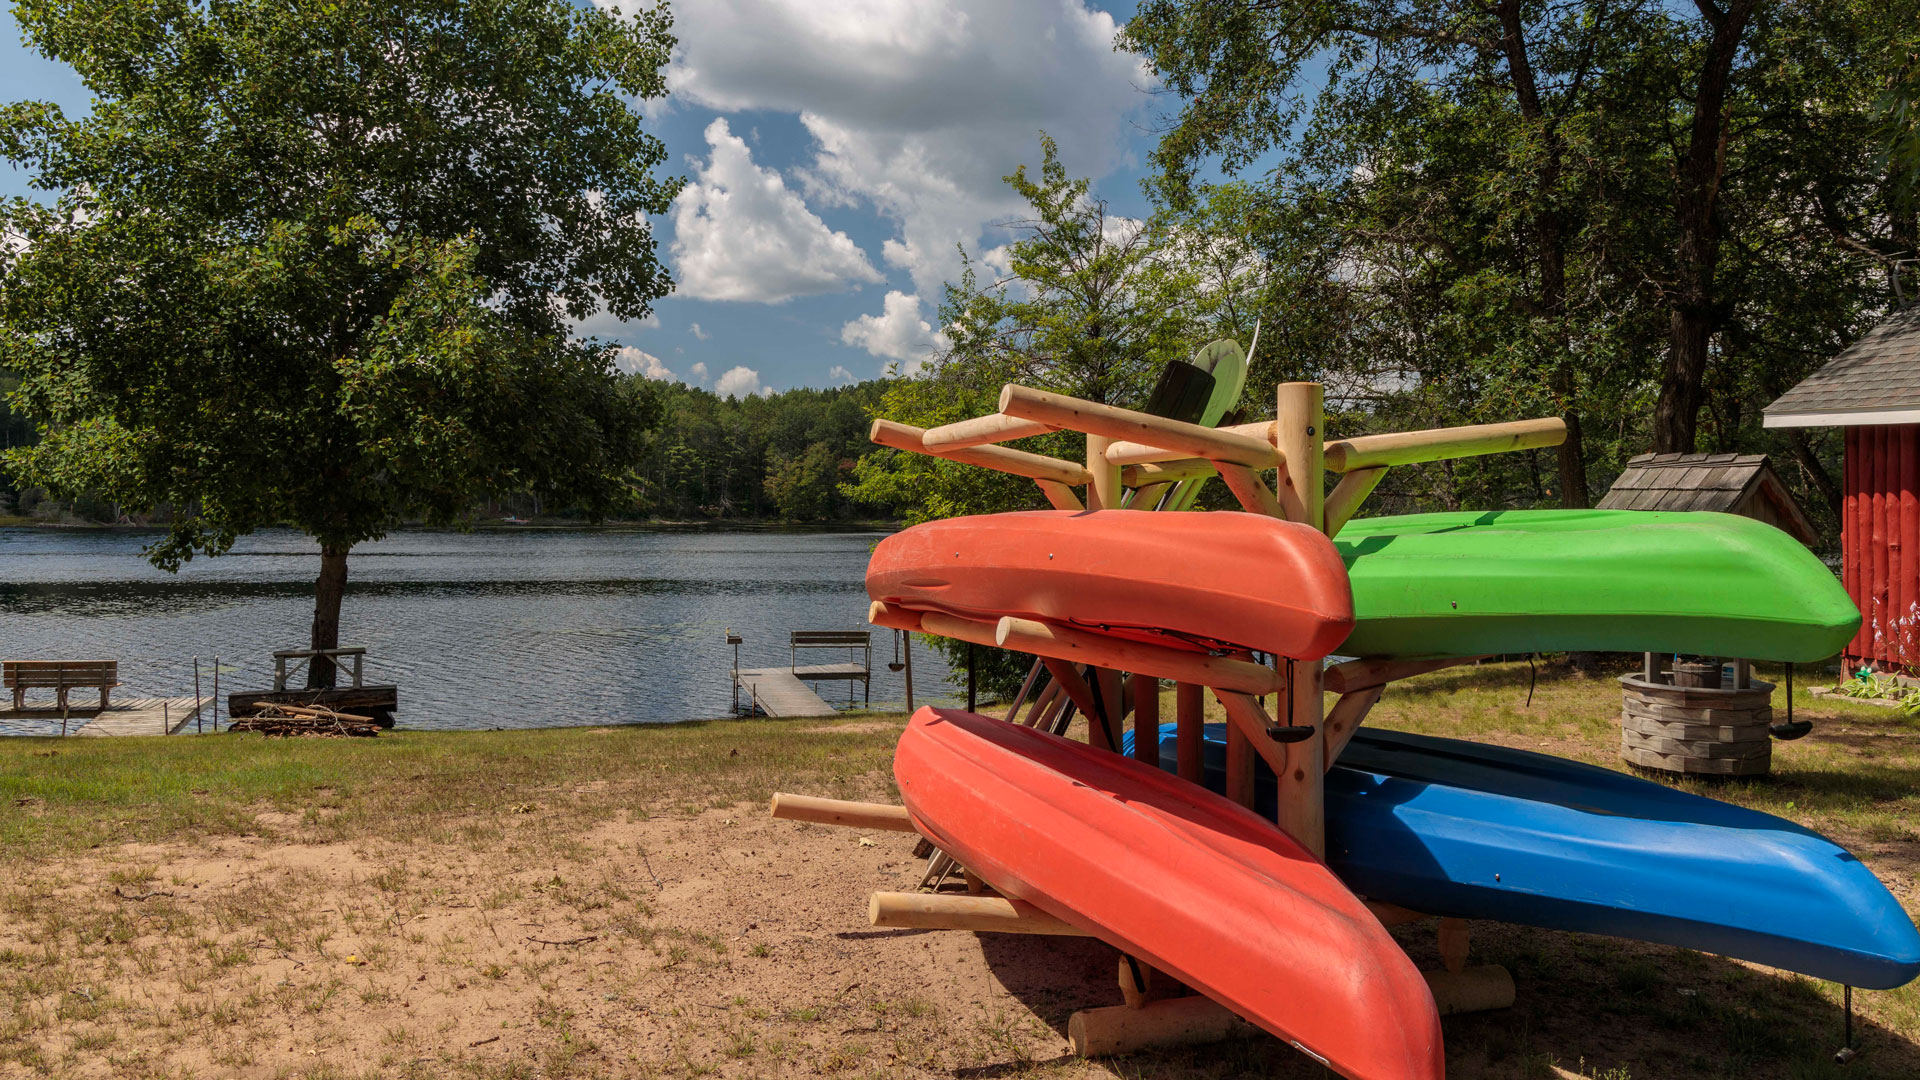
{"x": 1450, "y": 827}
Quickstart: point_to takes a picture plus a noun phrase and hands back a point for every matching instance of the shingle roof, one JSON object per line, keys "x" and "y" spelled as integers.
{"x": 1880, "y": 371}
{"x": 1725, "y": 483}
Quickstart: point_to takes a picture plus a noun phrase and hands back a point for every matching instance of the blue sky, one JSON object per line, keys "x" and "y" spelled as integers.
{"x": 836, "y": 152}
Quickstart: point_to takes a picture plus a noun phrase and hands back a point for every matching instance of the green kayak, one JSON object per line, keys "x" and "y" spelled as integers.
{"x": 1519, "y": 581}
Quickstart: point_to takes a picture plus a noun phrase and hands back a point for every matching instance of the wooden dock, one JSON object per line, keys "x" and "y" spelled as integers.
{"x": 128, "y": 716}
{"x": 784, "y": 692}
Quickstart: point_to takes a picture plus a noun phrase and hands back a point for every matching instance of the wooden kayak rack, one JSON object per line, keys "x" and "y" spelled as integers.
{"x": 1276, "y": 468}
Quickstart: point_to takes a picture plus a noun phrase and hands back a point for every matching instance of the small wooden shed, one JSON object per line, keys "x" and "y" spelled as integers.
{"x": 1872, "y": 391}
{"x": 1743, "y": 484}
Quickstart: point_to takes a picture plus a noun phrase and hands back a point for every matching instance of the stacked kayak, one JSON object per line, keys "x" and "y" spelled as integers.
{"x": 1450, "y": 827}
{"x": 1262, "y": 584}
{"x": 1195, "y": 885}
{"x": 1522, "y": 581}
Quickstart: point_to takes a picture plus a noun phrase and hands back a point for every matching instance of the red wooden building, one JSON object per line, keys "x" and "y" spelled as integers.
{"x": 1873, "y": 391}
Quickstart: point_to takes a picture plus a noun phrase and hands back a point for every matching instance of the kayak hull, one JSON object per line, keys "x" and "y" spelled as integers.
{"x": 1183, "y": 879}
{"x": 1451, "y": 827}
{"x": 1263, "y": 584}
{"x": 1519, "y": 581}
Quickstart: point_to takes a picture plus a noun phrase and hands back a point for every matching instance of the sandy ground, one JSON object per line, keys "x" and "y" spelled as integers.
{"x": 716, "y": 943}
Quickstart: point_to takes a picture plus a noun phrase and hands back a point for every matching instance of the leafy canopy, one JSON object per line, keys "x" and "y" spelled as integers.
{"x": 319, "y": 263}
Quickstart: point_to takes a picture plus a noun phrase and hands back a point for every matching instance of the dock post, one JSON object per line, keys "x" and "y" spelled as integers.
{"x": 196, "y": 696}
{"x": 906, "y": 637}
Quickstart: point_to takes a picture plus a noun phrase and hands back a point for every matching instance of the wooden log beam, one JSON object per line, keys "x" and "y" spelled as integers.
{"x": 1253, "y": 493}
{"x": 1347, "y": 495}
{"x": 1414, "y": 447}
{"x": 1345, "y": 718}
{"x": 1103, "y": 492}
{"x": 944, "y": 911}
{"x": 1189, "y": 739}
{"x": 1171, "y": 472}
{"x": 1250, "y": 720}
{"x": 1299, "y": 431}
{"x": 1191, "y": 440}
{"x": 858, "y": 815}
{"x": 1133, "y": 452}
{"x": 1183, "y": 1021}
{"x": 980, "y": 431}
{"x": 1098, "y": 650}
{"x": 997, "y": 458}
{"x": 1059, "y": 495}
{"x": 1146, "y": 719}
{"x": 1360, "y": 674}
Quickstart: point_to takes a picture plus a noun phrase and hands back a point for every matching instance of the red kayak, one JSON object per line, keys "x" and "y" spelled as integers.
{"x": 1197, "y": 886}
{"x": 1200, "y": 580}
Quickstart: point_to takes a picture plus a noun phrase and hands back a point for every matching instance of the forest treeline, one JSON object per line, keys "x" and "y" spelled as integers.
{"x": 785, "y": 457}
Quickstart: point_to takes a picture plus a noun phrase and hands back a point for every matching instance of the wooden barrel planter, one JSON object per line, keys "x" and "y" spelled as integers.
{"x": 1700, "y": 729}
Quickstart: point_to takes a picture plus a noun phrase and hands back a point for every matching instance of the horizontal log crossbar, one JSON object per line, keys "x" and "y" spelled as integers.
{"x": 998, "y": 458}
{"x": 1109, "y": 421}
{"x": 1414, "y": 447}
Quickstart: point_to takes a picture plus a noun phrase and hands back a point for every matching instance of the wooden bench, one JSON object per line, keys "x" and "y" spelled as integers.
{"x": 59, "y": 676}
{"x": 833, "y": 639}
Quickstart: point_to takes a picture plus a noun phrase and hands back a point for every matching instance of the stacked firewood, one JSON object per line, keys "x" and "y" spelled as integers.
{"x": 277, "y": 719}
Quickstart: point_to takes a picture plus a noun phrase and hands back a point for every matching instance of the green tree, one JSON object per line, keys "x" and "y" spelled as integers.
{"x": 1089, "y": 304}
{"x": 318, "y": 264}
{"x": 1634, "y": 214}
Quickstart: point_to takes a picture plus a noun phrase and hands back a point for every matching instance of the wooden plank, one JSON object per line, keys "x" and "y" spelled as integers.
{"x": 340, "y": 698}
{"x": 146, "y": 716}
{"x": 779, "y": 693}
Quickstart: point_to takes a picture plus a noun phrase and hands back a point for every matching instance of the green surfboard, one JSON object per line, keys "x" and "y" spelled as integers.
{"x": 1520, "y": 581}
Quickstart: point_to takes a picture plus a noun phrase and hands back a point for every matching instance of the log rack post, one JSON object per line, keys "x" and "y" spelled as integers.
{"x": 1299, "y": 433}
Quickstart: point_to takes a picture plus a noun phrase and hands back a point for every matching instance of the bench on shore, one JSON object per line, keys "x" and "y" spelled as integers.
{"x": 59, "y": 676}
{"x": 850, "y": 640}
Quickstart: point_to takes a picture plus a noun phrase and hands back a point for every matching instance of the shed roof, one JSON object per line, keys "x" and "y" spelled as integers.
{"x": 1742, "y": 484}
{"x": 1876, "y": 380}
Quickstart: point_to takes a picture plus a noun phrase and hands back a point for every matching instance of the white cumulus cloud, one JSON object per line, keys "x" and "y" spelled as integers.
{"x": 640, "y": 362}
{"x": 741, "y": 234}
{"x": 898, "y": 333}
{"x": 841, "y": 374}
{"x": 739, "y": 382}
{"x": 699, "y": 334}
{"x": 918, "y": 107}
{"x": 697, "y": 374}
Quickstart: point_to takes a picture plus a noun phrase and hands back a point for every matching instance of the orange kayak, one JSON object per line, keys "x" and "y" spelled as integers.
{"x": 1197, "y": 886}
{"x": 1205, "y": 581}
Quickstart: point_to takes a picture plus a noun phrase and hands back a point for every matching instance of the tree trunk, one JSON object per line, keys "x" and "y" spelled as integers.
{"x": 327, "y": 592}
{"x": 1676, "y": 415}
{"x": 1573, "y": 466}
{"x": 1696, "y": 206}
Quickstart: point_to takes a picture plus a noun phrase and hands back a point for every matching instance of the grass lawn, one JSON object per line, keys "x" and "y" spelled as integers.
{"x": 614, "y": 902}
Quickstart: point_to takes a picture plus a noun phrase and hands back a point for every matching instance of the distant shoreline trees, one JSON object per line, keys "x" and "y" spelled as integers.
{"x": 320, "y": 264}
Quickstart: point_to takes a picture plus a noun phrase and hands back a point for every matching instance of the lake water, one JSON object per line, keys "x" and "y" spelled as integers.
{"x": 495, "y": 628}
